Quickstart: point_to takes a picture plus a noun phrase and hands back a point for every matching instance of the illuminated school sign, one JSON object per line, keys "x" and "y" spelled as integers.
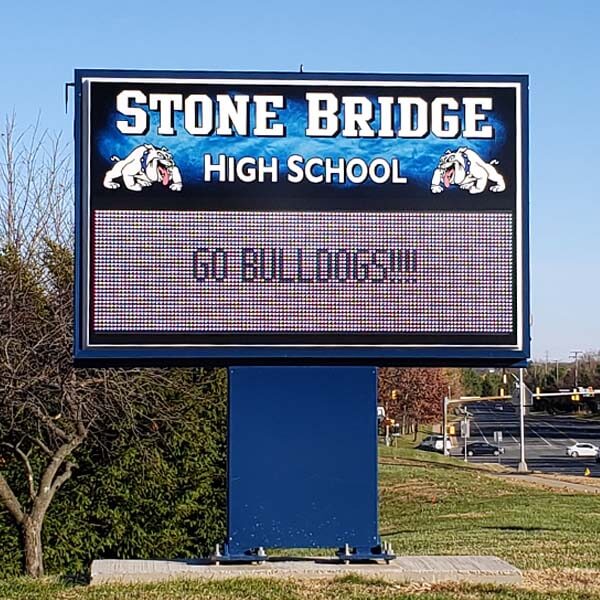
{"x": 228, "y": 217}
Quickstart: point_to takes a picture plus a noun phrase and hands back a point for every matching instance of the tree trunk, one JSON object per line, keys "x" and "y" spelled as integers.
{"x": 32, "y": 544}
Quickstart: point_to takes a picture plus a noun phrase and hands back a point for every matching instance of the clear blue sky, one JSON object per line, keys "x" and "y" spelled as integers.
{"x": 556, "y": 43}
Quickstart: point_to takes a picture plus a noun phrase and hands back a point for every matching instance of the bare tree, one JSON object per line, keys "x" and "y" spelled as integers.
{"x": 35, "y": 189}
{"x": 47, "y": 408}
{"x": 34, "y": 326}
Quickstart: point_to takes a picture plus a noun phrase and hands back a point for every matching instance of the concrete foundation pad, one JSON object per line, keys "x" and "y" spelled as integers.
{"x": 429, "y": 569}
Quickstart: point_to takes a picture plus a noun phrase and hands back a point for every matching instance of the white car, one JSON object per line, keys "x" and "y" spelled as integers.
{"x": 582, "y": 449}
{"x": 436, "y": 443}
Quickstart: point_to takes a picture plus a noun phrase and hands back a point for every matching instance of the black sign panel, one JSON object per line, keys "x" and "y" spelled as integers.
{"x": 275, "y": 218}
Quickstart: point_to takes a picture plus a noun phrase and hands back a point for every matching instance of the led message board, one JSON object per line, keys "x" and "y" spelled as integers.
{"x": 235, "y": 217}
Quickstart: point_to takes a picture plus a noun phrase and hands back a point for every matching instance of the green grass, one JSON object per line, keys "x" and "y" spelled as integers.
{"x": 442, "y": 506}
{"x": 346, "y": 588}
{"x": 430, "y": 504}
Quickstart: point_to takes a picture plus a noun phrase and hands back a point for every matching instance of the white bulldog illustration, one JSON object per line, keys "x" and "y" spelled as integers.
{"x": 142, "y": 167}
{"x": 465, "y": 168}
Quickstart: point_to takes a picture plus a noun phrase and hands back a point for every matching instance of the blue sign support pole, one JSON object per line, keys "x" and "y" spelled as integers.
{"x": 302, "y": 468}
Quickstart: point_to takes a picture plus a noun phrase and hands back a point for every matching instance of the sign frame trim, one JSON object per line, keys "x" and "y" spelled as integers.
{"x": 85, "y": 351}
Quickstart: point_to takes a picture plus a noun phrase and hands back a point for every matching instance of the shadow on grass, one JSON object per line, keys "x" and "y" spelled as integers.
{"x": 518, "y": 528}
{"x": 527, "y": 528}
{"x": 74, "y": 579}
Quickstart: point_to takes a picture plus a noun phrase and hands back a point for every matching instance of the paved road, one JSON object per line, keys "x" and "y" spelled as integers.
{"x": 546, "y": 438}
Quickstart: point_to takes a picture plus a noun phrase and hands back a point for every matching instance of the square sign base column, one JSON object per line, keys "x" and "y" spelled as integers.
{"x": 302, "y": 461}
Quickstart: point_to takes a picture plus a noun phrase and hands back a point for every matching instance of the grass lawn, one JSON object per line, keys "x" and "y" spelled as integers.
{"x": 435, "y": 505}
{"x": 345, "y": 588}
{"x": 430, "y": 504}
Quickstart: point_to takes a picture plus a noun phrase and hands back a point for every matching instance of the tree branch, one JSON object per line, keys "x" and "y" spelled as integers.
{"x": 50, "y": 482}
{"x": 58, "y": 481}
{"x": 25, "y": 459}
{"x": 10, "y": 502}
{"x": 41, "y": 445}
{"x": 48, "y": 422}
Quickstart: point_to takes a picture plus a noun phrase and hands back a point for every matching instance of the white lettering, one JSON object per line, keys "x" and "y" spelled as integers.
{"x": 386, "y": 125}
{"x": 358, "y": 111}
{"x": 322, "y": 120}
{"x": 232, "y": 111}
{"x": 264, "y": 116}
{"x": 442, "y": 125}
{"x": 140, "y": 116}
{"x": 190, "y": 114}
{"x": 472, "y": 118}
{"x": 166, "y": 104}
{"x": 210, "y": 167}
{"x": 409, "y": 108}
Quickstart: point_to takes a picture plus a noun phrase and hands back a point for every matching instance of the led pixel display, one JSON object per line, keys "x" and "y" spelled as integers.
{"x": 321, "y": 218}
{"x": 302, "y": 272}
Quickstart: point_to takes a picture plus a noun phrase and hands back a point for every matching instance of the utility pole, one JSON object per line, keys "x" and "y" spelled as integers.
{"x": 522, "y": 468}
{"x": 444, "y": 424}
{"x": 575, "y": 354}
{"x": 466, "y": 433}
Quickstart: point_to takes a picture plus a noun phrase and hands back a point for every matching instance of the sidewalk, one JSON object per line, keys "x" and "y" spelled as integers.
{"x": 549, "y": 481}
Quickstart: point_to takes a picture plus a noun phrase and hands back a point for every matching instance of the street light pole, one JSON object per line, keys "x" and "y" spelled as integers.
{"x": 522, "y": 468}
{"x": 444, "y": 425}
{"x": 466, "y": 433}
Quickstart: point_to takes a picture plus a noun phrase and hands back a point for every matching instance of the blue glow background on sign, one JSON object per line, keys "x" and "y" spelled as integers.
{"x": 418, "y": 157}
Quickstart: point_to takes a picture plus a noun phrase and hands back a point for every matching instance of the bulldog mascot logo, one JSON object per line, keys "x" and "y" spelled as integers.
{"x": 465, "y": 168}
{"x": 142, "y": 167}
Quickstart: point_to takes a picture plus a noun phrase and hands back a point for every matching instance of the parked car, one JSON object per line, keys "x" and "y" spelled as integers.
{"x": 435, "y": 443}
{"x": 480, "y": 448}
{"x": 582, "y": 449}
